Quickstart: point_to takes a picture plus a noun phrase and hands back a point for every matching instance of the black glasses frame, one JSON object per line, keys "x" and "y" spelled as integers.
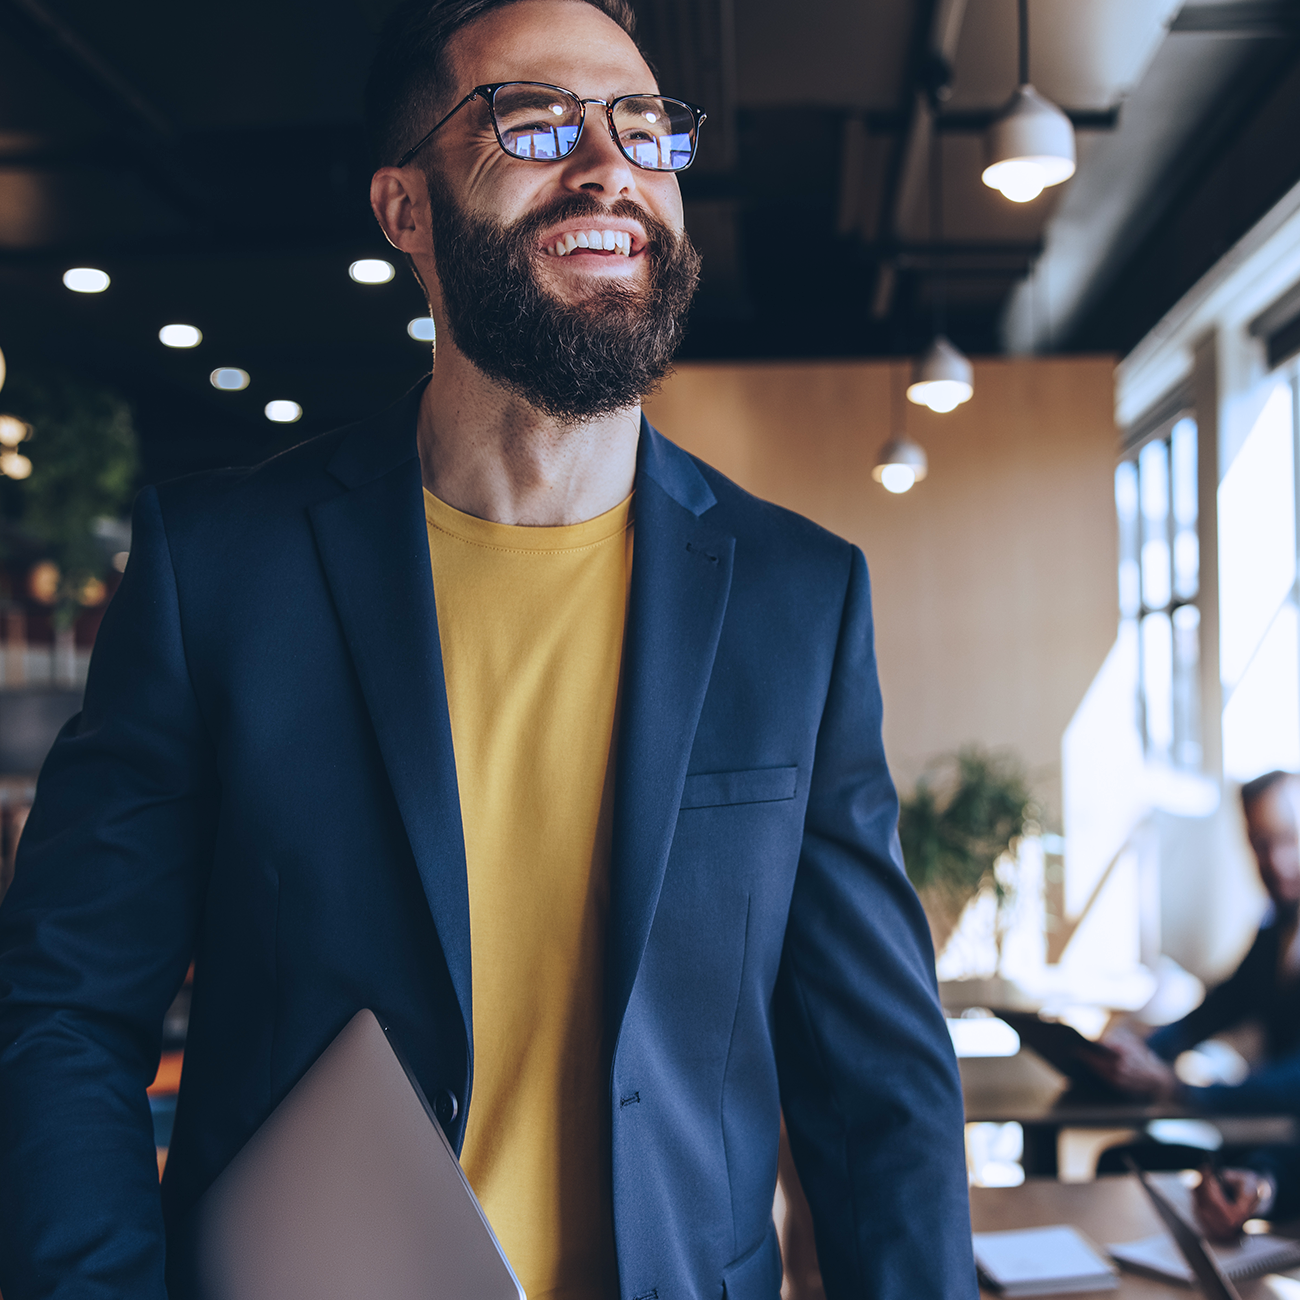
{"x": 489, "y": 93}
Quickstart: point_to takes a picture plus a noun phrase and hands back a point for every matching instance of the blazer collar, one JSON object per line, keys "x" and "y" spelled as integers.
{"x": 380, "y": 443}
{"x": 681, "y": 579}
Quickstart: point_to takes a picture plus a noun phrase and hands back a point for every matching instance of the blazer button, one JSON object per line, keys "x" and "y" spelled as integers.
{"x": 445, "y": 1106}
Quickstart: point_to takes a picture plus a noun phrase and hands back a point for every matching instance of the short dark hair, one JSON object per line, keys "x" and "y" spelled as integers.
{"x": 408, "y": 75}
{"x": 1255, "y": 790}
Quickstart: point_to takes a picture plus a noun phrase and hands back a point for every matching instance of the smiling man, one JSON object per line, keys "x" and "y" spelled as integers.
{"x": 500, "y": 715}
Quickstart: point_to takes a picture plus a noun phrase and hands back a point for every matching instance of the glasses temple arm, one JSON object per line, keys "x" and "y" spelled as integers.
{"x": 424, "y": 139}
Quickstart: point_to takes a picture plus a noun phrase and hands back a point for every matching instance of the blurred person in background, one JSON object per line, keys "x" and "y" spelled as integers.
{"x": 1265, "y": 987}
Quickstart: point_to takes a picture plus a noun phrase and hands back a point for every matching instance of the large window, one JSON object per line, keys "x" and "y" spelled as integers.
{"x": 1259, "y": 595}
{"x": 1159, "y": 586}
{"x": 1259, "y": 650}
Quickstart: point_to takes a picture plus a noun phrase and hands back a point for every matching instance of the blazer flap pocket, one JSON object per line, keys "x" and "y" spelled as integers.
{"x": 758, "y": 785}
{"x": 757, "y": 1275}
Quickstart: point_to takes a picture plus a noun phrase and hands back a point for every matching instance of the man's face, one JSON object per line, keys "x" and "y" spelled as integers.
{"x": 577, "y": 332}
{"x": 570, "y": 44}
{"x": 1274, "y": 835}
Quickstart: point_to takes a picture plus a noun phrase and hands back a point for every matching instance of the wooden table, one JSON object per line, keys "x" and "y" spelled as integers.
{"x": 1025, "y": 1089}
{"x": 1113, "y": 1209}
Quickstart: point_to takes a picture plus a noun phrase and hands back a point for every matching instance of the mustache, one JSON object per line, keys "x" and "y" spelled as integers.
{"x": 660, "y": 237}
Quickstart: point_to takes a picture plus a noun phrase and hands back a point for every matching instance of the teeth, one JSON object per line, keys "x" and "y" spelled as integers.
{"x": 610, "y": 241}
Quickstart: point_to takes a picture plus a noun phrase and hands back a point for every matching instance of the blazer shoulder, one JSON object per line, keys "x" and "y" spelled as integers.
{"x": 302, "y": 475}
{"x": 758, "y": 522}
{"x": 296, "y": 473}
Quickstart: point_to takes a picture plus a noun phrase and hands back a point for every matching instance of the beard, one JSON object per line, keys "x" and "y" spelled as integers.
{"x": 573, "y": 361}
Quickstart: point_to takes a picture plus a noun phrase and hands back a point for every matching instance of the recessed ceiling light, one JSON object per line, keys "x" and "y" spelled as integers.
{"x": 13, "y": 431}
{"x": 229, "y": 378}
{"x": 86, "y": 279}
{"x": 180, "y": 336}
{"x": 13, "y": 464}
{"x": 422, "y": 329}
{"x": 371, "y": 270}
{"x": 283, "y": 412}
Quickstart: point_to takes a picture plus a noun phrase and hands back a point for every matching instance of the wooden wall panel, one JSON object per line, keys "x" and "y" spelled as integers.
{"x": 994, "y": 579}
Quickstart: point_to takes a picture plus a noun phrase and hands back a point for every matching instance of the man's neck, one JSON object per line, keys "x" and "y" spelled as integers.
{"x": 488, "y": 453}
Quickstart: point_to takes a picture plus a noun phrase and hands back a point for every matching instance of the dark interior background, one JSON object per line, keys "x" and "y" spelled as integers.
{"x": 209, "y": 157}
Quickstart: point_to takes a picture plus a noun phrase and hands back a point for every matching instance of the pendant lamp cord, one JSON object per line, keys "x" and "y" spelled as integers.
{"x": 936, "y": 234}
{"x": 1024, "y": 42}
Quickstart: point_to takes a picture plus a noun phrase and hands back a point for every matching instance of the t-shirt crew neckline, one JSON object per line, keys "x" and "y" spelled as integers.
{"x": 519, "y": 537}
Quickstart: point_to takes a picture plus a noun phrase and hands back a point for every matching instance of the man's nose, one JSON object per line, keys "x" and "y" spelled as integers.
{"x": 598, "y": 164}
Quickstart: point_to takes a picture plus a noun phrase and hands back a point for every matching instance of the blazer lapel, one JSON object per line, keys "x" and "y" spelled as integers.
{"x": 375, "y": 550}
{"x": 681, "y": 575}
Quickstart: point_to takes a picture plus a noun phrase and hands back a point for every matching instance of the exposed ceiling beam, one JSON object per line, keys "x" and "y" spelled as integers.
{"x": 241, "y": 243}
{"x": 1267, "y": 18}
{"x": 934, "y": 53}
{"x": 693, "y": 44}
{"x": 976, "y": 122}
{"x": 150, "y": 136}
{"x": 94, "y": 68}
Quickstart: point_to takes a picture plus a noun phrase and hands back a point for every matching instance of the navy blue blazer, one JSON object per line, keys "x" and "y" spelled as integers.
{"x": 262, "y": 777}
{"x": 1252, "y": 992}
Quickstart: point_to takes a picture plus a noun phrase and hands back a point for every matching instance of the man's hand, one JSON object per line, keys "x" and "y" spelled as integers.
{"x": 1124, "y": 1061}
{"x": 1225, "y": 1199}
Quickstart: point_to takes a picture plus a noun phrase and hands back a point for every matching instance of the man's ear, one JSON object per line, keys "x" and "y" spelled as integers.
{"x": 397, "y": 197}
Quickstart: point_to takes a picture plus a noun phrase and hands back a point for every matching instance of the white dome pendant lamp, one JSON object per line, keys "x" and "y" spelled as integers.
{"x": 1030, "y": 145}
{"x": 942, "y": 376}
{"x": 901, "y": 462}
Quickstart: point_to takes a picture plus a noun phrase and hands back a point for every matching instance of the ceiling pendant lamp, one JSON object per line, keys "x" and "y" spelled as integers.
{"x": 1030, "y": 144}
{"x": 901, "y": 462}
{"x": 942, "y": 378}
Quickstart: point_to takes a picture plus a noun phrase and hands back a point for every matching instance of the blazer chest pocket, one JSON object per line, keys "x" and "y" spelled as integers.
{"x": 757, "y": 785}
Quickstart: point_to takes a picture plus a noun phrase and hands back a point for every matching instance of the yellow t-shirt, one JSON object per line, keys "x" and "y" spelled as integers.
{"x": 531, "y": 624}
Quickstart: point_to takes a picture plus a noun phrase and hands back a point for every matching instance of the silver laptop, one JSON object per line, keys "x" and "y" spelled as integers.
{"x": 350, "y": 1189}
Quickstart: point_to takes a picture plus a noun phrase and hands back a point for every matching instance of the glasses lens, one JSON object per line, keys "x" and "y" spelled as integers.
{"x": 655, "y": 133}
{"x": 536, "y": 121}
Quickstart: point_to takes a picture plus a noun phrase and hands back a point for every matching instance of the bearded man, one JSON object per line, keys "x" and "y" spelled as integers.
{"x": 403, "y": 719}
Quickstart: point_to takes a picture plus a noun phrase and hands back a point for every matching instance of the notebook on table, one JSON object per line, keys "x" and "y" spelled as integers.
{"x": 349, "y": 1189}
{"x": 1042, "y": 1261}
{"x": 1159, "y": 1257}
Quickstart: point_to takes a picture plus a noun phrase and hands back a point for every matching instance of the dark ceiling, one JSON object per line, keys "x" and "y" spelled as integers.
{"x": 209, "y": 157}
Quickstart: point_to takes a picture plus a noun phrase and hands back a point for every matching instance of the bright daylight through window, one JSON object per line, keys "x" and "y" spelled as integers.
{"x": 1259, "y": 654}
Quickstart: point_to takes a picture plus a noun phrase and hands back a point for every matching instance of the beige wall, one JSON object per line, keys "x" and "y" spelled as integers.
{"x": 994, "y": 579}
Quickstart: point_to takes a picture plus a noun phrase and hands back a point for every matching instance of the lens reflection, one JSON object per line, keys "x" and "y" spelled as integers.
{"x": 543, "y": 123}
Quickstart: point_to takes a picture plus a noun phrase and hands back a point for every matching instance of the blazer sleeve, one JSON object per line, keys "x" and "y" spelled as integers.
{"x": 1282, "y": 1164}
{"x": 95, "y": 935}
{"x": 869, "y": 1081}
{"x": 1243, "y": 994}
{"x": 1273, "y": 1089}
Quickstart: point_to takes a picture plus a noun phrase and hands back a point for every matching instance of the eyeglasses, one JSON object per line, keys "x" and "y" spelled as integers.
{"x": 541, "y": 123}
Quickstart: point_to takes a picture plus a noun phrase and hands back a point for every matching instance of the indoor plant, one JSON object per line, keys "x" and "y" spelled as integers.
{"x": 968, "y": 810}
